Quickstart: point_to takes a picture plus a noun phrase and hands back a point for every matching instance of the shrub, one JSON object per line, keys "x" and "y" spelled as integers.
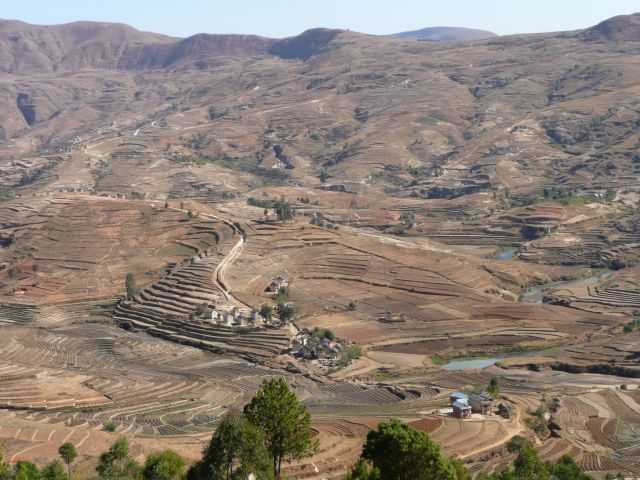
{"x": 109, "y": 427}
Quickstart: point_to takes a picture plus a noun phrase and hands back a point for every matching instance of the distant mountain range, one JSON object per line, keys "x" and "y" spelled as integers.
{"x": 29, "y": 49}
{"x": 446, "y": 34}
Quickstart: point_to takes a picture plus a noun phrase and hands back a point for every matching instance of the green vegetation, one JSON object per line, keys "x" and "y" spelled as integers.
{"x": 275, "y": 428}
{"x": 633, "y": 324}
{"x": 6, "y": 194}
{"x": 286, "y": 312}
{"x": 429, "y": 120}
{"x": 397, "y": 451}
{"x": 130, "y": 286}
{"x": 321, "y": 333}
{"x": 282, "y": 296}
{"x": 237, "y": 449}
{"x": 283, "y": 210}
{"x": 566, "y": 197}
{"x": 266, "y": 312}
{"x": 116, "y": 464}
{"x": 528, "y": 466}
{"x": 537, "y": 421}
{"x": 438, "y": 360}
{"x": 349, "y": 354}
{"x": 166, "y": 465}
{"x": 286, "y": 423}
{"x": 68, "y": 454}
{"x": 352, "y": 307}
{"x": 109, "y": 427}
{"x": 494, "y": 388}
{"x": 52, "y": 471}
{"x": 261, "y": 203}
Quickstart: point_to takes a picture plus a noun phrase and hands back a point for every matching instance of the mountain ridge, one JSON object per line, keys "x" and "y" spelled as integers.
{"x": 446, "y": 34}
{"x": 35, "y": 49}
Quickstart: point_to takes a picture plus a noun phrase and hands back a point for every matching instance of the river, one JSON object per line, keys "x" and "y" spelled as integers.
{"x": 536, "y": 294}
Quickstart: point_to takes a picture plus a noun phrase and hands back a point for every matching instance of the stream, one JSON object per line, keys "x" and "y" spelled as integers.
{"x": 536, "y": 294}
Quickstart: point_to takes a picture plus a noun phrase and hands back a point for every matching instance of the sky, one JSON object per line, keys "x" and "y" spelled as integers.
{"x": 281, "y": 18}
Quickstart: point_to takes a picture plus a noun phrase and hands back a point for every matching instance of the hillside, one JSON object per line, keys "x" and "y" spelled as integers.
{"x": 29, "y": 49}
{"x": 446, "y": 34}
{"x": 623, "y": 28}
{"x": 168, "y": 206}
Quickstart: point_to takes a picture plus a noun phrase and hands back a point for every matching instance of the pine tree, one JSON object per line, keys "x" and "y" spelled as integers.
{"x": 285, "y": 422}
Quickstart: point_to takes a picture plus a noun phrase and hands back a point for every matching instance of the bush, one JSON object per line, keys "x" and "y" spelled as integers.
{"x": 324, "y": 333}
{"x": 286, "y": 312}
{"x": 109, "y": 427}
{"x": 266, "y": 311}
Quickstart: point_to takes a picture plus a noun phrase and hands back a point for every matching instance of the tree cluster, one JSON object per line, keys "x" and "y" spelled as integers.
{"x": 274, "y": 427}
{"x": 395, "y": 451}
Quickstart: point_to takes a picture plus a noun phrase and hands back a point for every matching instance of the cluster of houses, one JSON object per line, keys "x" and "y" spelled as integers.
{"x": 464, "y": 405}
{"x": 232, "y": 316}
{"x": 307, "y": 346}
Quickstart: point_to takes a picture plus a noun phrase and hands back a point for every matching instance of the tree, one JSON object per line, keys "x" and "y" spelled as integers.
{"x": 516, "y": 444}
{"x": 285, "y": 422}
{"x": 237, "y": 450}
{"x": 494, "y": 388}
{"x": 26, "y": 471}
{"x": 167, "y": 465}
{"x": 286, "y": 312}
{"x": 283, "y": 295}
{"x": 567, "y": 469}
{"x": 5, "y": 468}
{"x": 54, "y": 471}
{"x": 68, "y": 454}
{"x": 283, "y": 210}
{"x": 266, "y": 312}
{"x": 115, "y": 463}
{"x": 526, "y": 467}
{"x": 130, "y": 285}
{"x": 363, "y": 471}
{"x": 400, "y": 452}
{"x": 324, "y": 176}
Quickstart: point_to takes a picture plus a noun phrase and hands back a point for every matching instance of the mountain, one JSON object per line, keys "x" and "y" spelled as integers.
{"x": 446, "y": 34}
{"x": 27, "y": 49}
{"x": 623, "y": 28}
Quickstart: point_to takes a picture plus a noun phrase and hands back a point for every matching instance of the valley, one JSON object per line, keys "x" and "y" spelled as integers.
{"x": 181, "y": 219}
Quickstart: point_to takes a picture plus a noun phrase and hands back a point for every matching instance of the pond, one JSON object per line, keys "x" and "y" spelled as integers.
{"x": 473, "y": 363}
{"x": 506, "y": 253}
{"x": 470, "y": 363}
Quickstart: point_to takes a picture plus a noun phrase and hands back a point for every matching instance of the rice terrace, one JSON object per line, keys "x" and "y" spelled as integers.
{"x": 440, "y": 227}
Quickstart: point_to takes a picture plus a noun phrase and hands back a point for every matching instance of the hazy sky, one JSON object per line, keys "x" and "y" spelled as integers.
{"x": 279, "y": 18}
